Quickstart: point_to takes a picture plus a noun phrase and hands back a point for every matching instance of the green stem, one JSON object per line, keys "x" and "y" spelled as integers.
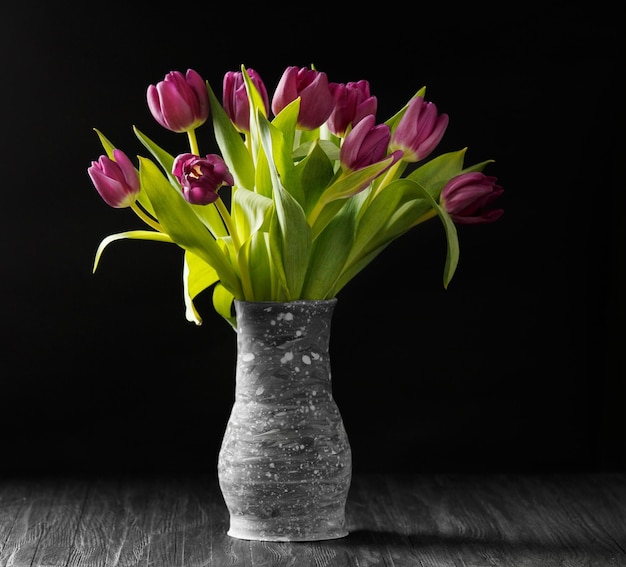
{"x": 145, "y": 218}
{"x": 248, "y": 291}
{"x": 193, "y": 142}
{"x": 228, "y": 221}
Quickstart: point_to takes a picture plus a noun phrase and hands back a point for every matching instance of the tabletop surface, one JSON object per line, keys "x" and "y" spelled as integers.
{"x": 461, "y": 520}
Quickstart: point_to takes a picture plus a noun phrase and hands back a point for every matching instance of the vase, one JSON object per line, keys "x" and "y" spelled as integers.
{"x": 285, "y": 464}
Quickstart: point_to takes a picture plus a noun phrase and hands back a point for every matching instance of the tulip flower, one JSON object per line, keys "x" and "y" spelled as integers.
{"x": 468, "y": 198}
{"x": 419, "y": 130}
{"x": 235, "y": 98}
{"x": 316, "y": 99}
{"x": 116, "y": 180}
{"x": 366, "y": 144}
{"x": 352, "y": 102}
{"x": 200, "y": 178}
{"x": 180, "y": 102}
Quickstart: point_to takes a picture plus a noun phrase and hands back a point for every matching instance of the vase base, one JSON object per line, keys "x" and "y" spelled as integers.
{"x": 272, "y": 530}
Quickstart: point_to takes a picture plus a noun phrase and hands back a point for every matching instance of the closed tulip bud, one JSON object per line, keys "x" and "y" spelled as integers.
{"x": 419, "y": 130}
{"x": 180, "y": 102}
{"x": 468, "y": 198}
{"x": 116, "y": 180}
{"x": 316, "y": 100}
{"x": 352, "y": 102}
{"x": 200, "y": 178}
{"x": 235, "y": 98}
{"x": 366, "y": 143}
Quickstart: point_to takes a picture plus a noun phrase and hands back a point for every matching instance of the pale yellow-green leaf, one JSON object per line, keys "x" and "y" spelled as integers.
{"x": 197, "y": 276}
{"x": 250, "y": 212}
{"x": 223, "y": 304}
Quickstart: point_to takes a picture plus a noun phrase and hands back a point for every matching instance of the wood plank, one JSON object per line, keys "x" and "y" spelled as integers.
{"x": 44, "y": 528}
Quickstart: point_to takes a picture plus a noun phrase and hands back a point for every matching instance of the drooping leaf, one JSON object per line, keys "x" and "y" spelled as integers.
{"x": 131, "y": 234}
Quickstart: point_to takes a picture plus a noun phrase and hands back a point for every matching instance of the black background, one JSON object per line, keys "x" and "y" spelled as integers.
{"x": 518, "y": 365}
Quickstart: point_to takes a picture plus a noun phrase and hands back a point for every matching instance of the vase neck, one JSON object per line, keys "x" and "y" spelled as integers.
{"x": 280, "y": 345}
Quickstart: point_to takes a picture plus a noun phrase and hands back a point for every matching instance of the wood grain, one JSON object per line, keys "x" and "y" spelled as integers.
{"x": 575, "y": 520}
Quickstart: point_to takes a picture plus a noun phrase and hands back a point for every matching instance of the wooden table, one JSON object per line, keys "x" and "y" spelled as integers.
{"x": 394, "y": 520}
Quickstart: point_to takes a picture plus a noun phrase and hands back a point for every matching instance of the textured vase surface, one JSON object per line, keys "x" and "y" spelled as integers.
{"x": 285, "y": 464}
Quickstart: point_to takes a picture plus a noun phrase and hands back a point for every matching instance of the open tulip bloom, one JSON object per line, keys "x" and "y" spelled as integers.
{"x": 296, "y": 204}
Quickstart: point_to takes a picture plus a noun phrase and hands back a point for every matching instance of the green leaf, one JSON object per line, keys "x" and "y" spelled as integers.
{"x": 331, "y": 250}
{"x": 181, "y": 223}
{"x": 165, "y": 159}
{"x": 370, "y": 232}
{"x": 131, "y": 234}
{"x": 329, "y": 148}
{"x": 286, "y": 121}
{"x": 346, "y": 185}
{"x": 106, "y": 144}
{"x": 282, "y": 133}
{"x": 255, "y": 255}
{"x": 452, "y": 255}
{"x": 392, "y": 213}
{"x": 290, "y": 234}
{"x": 231, "y": 144}
{"x": 393, "y": 121}
{"x": 315, "y": 172}
{"x": 197, "y": 276}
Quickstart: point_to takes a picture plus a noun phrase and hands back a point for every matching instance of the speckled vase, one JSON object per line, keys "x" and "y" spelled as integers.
{"x": 285, "y": 463}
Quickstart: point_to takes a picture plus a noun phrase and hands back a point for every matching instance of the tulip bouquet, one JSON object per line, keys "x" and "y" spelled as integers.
{"x": 307, "y": 190}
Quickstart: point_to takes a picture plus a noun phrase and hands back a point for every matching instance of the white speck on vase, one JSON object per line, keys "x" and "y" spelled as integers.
{"x": 306, "y": 359}
{"x": 260, "y": 390}
{"x": 287, "y": 357}
{"x": 247, "y": 357}
{"x": 315, "y": 356}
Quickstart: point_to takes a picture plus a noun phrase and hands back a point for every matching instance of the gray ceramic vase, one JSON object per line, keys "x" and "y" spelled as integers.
{"x": 285, "y": 464}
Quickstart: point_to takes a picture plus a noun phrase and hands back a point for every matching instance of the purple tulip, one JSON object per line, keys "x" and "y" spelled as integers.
{"x": 115, "y": 179}
{"x": 352, "y": 102}
{"x": 468, "y": 198}
{"x": 235, "y": 98}
{"x": 366, "y": 143}
{"x": 419, "y": 130}
{"x": 180, "y": 102}
{"x": 200, "y": 178}
{"x": 316, "y": 100}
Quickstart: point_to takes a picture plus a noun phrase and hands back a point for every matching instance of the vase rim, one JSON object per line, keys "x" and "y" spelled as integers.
{"x": 290, "y": 302}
